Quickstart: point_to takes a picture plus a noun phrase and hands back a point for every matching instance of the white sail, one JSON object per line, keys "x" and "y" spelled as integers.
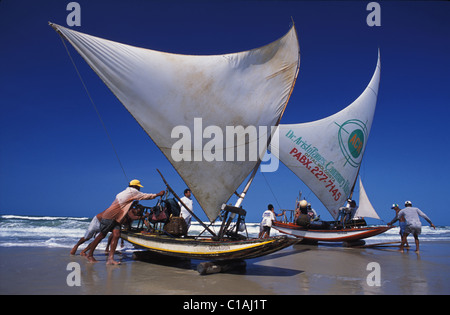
{"x": 365, "y": 209}
{"x": 164, "y": 90}
{"x": 326, "y": 154}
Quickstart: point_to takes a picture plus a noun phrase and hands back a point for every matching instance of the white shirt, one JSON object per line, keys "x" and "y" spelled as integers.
{"x": 268, "y": 217}
{"x": 184, "y": 213}
{"x": 411, "y": 215}
{"x": 131, "y": 194}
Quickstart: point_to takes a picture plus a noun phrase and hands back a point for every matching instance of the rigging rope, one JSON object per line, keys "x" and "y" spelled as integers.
{"x": 268, "y": 185}
{"x": 95, "y": 108}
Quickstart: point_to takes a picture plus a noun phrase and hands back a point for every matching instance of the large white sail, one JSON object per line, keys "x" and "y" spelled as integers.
{"x": 365, "y": 209}
{"x": 326, "y": 154}
{"x": 166, "y": 93}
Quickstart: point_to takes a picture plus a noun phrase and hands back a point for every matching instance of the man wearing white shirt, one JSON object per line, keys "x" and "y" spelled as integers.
{"x": 185, "y": 214}
{"x": 413, "y": 225}
{"x": 269, "y": 217}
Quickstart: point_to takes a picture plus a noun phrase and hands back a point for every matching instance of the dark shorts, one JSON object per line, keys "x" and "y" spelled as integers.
{"x": 414, "y": 229}
{"x": 303, "y": 220}
{"x": 107, "y": 225}
{"x": 266, "y": 229}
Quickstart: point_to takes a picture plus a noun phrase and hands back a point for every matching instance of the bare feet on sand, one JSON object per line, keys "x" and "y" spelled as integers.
{"x": 112, "y": 262}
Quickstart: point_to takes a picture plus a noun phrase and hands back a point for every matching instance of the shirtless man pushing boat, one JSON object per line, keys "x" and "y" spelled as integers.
{"x": 113, "y": 217}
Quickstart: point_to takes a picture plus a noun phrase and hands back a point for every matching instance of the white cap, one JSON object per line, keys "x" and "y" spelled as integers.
{"x": 303, "y": 204}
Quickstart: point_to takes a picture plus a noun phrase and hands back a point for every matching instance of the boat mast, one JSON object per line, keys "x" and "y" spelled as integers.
{"x": 356, "y": 178}
{"x": 354, "y": 184}
{"x": 244, "y": 192}
{"x": 255, "y": 169}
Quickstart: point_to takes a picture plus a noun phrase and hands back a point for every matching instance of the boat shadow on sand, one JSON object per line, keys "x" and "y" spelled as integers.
{"x": 259, "y": 267}
{"x": 251, "y": 267}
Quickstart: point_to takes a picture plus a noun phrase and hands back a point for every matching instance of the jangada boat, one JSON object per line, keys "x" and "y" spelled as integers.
{"x": 351, "y": 232}
{"x": 350, "y": 235}
{"x": 326, "y": 155}
{"x": 169, "y": 94}
{"x": 233, "y": 246}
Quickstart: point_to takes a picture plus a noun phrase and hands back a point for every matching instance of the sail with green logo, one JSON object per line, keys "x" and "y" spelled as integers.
{"x": 326, "y": 154}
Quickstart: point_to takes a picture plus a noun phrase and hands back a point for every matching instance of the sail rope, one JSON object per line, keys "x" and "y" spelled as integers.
{"x": 270, "y": 188}
{"x": 96, "y": 109}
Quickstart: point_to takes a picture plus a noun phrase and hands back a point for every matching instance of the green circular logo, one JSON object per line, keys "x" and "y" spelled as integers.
{"x": 351, "y": 137}
{"x": 356, "y": 143}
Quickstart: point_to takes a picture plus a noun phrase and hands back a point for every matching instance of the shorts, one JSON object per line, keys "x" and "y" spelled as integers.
{"x": 414, "y": 229}
{"x": 303, "y": 220}
{"x": 266, "y": 228}
{"x": 107, "y": 225}
{"x": 402, "y": 226}
{"x": 94, "y": 228}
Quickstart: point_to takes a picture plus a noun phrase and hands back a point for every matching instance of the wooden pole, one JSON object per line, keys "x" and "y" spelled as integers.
{"x": 182, "y": 203}
{"x": 211, "y": 267}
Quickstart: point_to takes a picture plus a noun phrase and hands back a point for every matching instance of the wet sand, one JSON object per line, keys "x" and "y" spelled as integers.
{"x": 299, "y": 269}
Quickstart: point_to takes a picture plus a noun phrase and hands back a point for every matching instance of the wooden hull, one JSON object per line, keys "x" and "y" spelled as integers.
{"x": 342, "y": 235}
{"x": 206, "y": 249}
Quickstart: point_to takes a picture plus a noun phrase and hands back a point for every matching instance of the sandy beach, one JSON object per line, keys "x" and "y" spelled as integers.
{"x": 299, "y": 269}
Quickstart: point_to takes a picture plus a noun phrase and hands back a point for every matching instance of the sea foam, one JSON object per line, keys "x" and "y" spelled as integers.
{"x": 64, "y": 232}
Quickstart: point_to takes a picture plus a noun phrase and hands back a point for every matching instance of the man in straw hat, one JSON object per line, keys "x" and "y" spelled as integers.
{"x": 113, "y": 217}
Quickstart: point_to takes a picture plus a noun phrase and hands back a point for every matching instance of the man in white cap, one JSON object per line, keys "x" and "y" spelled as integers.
{"x": 413, "y": 225}
{"x": 113, "y": 217}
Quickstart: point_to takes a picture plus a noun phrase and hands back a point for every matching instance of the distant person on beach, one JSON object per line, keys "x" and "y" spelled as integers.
{"x": 402, "y": 222}
{"x": 185, "y": 214}
{"x": 266, "y": 224}
{"x": 114, "y": 216}
{"x": 413, "y": 225}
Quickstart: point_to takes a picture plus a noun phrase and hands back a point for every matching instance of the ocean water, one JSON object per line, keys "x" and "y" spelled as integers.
{"x": 64, "y": 232}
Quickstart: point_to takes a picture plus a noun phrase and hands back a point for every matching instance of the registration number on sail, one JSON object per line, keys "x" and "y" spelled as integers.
{"x": 319, "y": 174}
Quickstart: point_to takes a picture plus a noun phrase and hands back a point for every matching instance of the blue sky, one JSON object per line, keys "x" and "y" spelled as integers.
{"x": 55, "y": 158}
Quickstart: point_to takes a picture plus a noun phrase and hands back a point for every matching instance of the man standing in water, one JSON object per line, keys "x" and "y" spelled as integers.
{"x": 185, "y": 214}
{"x": 268, "y": 217}
{"x": 113, "y": 217}
{"x": 413, "y": 224}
